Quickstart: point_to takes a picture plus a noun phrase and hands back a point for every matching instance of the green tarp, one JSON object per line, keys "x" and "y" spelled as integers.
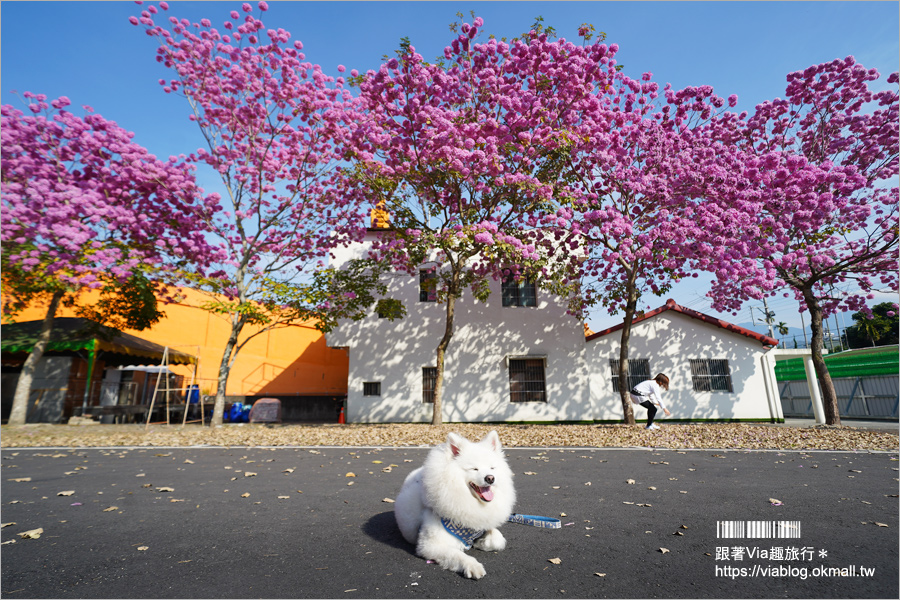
{"x": 73, "y": 335}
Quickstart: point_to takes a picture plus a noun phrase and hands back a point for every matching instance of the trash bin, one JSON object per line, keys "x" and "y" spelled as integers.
{"x": 193, "y": 394}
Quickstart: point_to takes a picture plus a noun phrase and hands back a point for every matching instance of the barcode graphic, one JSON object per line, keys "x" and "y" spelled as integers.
{"x": 757, "y": 529}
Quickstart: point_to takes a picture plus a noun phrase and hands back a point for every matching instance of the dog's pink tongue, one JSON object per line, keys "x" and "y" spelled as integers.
{"x": 487, "y": 493}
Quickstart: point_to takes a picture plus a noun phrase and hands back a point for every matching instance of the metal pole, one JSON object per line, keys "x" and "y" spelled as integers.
{"x": 844, "y": 325}
{"x": 165, "y": 361}
{"x": 803, "y": 324}
{"x": 190, "y": 390}
{"x": 837, "y": 329}
{"x": 92, "y": 358}
{"x": 199, "y": 391}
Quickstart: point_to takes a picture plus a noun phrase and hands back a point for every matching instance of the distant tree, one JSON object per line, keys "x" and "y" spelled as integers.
{"x": 876, "y": 328}
{"x": 84, "y": 207}
{"x": 132, "y": 304}
{"x": 782, "y": 328}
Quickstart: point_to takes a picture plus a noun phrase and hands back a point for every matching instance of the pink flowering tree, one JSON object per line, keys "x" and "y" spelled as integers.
{"x": 465, "y": 157}
{"x": 85, "y": 207}
{"x": 643, "y": 172}
{"x": 824, "y": 163}
{"x": 272, "y": 123}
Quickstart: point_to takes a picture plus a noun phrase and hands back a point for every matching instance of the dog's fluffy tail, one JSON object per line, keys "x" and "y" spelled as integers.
{"x": 408, "y": 506}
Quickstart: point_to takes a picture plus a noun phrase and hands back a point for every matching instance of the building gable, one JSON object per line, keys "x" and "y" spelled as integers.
{"x": 671, "y": 305}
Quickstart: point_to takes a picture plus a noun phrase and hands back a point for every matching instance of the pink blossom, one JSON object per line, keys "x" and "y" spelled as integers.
{"x": 73, "y": 184}
{"x": 281, "y": 165}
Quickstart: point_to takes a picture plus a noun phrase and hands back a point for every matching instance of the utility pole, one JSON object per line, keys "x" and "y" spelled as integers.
{"x": 770, "y": 318}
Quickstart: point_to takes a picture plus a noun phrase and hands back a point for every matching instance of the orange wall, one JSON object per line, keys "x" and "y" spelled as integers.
{"x": 292, "y": 360}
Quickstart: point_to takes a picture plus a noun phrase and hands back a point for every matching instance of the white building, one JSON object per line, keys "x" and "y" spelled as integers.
{"x": 519, "y": 357}
{"x": 516, "y": 357}
{"x": 716, "y": 370}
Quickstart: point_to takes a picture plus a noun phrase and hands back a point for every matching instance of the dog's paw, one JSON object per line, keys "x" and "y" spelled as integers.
{"x": 473, "y": 569}
{"x": 492, "y": 541}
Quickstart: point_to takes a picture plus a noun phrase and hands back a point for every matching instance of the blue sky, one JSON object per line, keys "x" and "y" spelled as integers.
{"x": 89, "y": 52}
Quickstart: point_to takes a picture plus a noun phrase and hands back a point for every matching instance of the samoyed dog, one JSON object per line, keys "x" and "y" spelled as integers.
{"x": 457, "y": 499}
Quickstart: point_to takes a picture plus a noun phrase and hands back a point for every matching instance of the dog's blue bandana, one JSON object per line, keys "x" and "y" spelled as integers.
{"x": 464, "y": 534}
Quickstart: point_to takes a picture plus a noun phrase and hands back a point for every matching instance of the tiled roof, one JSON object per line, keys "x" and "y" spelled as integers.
{"x": 671, "y": 305}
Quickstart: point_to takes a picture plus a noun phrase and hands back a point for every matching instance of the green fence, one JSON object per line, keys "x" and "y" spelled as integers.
{"x": 855, "y": 363}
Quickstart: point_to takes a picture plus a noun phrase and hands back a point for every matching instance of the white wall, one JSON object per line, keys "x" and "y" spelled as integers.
{"x": 476, "y": 376}
{"x": 669, "y": 340}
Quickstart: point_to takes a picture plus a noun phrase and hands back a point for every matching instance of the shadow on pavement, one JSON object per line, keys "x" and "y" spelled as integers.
{"x": 383, "y": 528}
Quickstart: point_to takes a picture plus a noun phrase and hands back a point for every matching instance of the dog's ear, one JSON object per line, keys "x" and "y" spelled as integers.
{"x": 455, "y": 442}
{"x": 493, "y": 440}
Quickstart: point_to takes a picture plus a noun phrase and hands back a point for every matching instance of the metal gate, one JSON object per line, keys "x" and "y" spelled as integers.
{"x": 869, "y": 397}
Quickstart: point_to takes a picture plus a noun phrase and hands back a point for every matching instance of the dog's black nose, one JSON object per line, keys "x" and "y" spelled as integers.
{"x": 489, "y": 479}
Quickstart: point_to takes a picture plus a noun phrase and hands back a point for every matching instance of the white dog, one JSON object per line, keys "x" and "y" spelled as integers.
{"x": 457, "y": 500}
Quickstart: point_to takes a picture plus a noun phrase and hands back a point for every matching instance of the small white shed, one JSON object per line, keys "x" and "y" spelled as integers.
{"x": 716, "y": 369}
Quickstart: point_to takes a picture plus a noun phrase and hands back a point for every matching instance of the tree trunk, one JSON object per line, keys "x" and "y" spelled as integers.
{"x": 829, "y": 396}
{"x": 19, "y": 413}
{"x": 436, "y": 417}
{"x": 228, "y": 356}
{"x": 624, "y": 388}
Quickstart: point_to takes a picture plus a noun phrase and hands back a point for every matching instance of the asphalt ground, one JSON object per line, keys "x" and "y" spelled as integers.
{"x": 194, "y": 523}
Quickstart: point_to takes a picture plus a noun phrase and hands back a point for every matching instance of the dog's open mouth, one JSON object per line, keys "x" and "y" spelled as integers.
{"x": 485, "y": 493}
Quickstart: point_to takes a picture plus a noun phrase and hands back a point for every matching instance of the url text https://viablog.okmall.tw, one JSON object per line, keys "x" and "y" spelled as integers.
{"x": 783, "y": 559}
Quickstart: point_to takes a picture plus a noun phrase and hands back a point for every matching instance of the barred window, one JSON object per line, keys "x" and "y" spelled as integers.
{"x": 371, "y": 388}
{"x": 638, "y": 371}
{"x": 711, "y": 375}
{"x": 518, "y": 293}
{"x": 427, "y": 286}
{"x": 526, "y": 380}
{"x": 429, "y": 380}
